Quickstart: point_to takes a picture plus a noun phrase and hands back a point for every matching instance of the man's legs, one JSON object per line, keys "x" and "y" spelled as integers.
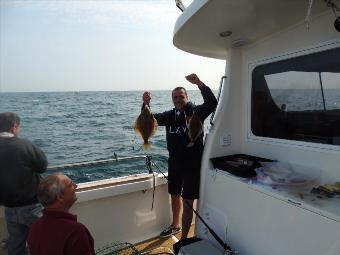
{"x": 190, "y": 192}
{"x": 175, "y": 227}
{"x": 18, "y": 221}
{"x": 17, "y": 238}
{"x": 187, "y": 217}
{"x": 174, "y": 189}
{"x": 17, "y": 232}
{"x": 176, "y": 204}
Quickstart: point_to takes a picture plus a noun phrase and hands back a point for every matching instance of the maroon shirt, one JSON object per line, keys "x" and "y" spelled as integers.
{"x": 57, "y": 233}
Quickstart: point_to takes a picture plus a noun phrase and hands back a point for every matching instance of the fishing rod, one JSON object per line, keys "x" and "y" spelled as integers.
{"x": 98, "y": 161}
{"x": 225, "y": 247}
{"x": 148, "y": 164}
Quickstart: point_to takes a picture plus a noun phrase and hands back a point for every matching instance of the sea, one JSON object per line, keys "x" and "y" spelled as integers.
{"x": 72, "y": 127}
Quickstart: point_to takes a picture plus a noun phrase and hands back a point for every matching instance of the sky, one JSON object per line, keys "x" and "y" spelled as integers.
{"x": 98, "y": 45}
{"x": 302, "y": 80}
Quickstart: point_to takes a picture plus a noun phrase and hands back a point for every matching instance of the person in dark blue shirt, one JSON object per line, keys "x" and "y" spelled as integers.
{"x": 184, "y": 161}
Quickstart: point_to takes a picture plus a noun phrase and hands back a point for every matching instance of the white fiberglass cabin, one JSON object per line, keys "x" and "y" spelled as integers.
{"x": 279, "y": 101}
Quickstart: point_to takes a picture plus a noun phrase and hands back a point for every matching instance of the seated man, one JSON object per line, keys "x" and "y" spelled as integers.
{"x": 57, "y": 231}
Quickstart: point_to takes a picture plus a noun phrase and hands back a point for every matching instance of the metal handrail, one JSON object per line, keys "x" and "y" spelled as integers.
{"x": 218, "y": 99}
{"x": 95, "y": 162}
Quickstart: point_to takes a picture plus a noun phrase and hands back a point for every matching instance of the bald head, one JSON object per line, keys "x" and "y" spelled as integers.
{"x": 57, "y": 191}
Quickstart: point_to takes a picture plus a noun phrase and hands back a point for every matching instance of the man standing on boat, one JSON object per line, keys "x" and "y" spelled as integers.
{"x": 184, "y": 161}
{"x": 21, "y": 162}
{"x": 58, "y": 231}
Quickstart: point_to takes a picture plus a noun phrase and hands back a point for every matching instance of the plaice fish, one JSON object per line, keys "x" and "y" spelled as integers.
{"x": 146, "y": 126}
{"x": 195, "y": 129}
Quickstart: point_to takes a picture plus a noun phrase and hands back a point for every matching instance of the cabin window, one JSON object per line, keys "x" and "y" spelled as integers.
{"x": 298, "y": 98}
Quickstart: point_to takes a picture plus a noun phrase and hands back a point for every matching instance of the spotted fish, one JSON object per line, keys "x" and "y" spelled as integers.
{"x": 146, "y": 126}
{"x": 195, "y": 128}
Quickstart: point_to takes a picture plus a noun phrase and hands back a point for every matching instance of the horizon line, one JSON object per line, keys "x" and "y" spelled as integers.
{"x": 79, "y": 91}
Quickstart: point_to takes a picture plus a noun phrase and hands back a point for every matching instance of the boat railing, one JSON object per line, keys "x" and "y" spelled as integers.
{"x": 101, "y": 161}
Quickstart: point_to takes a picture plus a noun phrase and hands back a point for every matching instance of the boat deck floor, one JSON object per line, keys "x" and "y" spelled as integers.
{"x": 159, "y": 245}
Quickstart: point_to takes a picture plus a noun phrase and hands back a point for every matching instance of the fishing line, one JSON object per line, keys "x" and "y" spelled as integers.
{"x": 140, "y": 148}
{"x": 133, "y": 142}
{"x": 309, "y": 13}
{"x": 149, "y": 167}
{"x": 211, "y": 231}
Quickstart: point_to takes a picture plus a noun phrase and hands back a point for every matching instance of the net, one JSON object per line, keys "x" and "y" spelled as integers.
{"x": 118, "y": 248}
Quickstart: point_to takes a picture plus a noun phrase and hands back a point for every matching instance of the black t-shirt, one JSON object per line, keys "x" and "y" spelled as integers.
{"x": 177, "y": 130}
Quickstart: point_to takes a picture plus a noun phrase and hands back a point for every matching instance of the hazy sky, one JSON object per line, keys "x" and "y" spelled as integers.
{"x": 95, "y": 45}
{"x": 302, "y": 80}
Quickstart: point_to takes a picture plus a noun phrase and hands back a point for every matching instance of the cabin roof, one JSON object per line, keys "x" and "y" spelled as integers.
{"x": 198, "y": 29}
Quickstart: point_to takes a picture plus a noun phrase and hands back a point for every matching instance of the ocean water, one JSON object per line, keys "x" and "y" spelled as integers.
{"x": 306, "y": 100}
{"x": 83, "y": 126}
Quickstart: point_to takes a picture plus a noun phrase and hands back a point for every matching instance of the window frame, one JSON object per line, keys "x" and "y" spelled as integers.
{"x": 251, "y": 137}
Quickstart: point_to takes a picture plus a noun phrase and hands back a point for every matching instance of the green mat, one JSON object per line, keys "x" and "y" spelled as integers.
{"x": 118, "y": 248}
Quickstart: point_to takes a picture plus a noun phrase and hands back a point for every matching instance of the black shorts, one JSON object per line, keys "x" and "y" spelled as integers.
{"x": 184, "y": 177}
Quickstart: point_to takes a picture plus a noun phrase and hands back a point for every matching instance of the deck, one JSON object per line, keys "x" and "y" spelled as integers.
{"x": 158, "y": 245}
{"x": 154, "y": 245}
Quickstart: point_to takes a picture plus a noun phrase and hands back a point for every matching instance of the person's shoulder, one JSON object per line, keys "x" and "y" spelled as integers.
{"x": 24, "y": 140}
{"x": 78, "y": 229}
{"x": 17, "y": 139}
{"x": 71, "y": 226}
{"x": 17, "y": 142}
{"x": 191, "y": 106}
{"x": 171, "y": 111}
{"x": 36, "y": 225}
{"x": 77, "y": 226}
{"x": 24, "y": 143}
